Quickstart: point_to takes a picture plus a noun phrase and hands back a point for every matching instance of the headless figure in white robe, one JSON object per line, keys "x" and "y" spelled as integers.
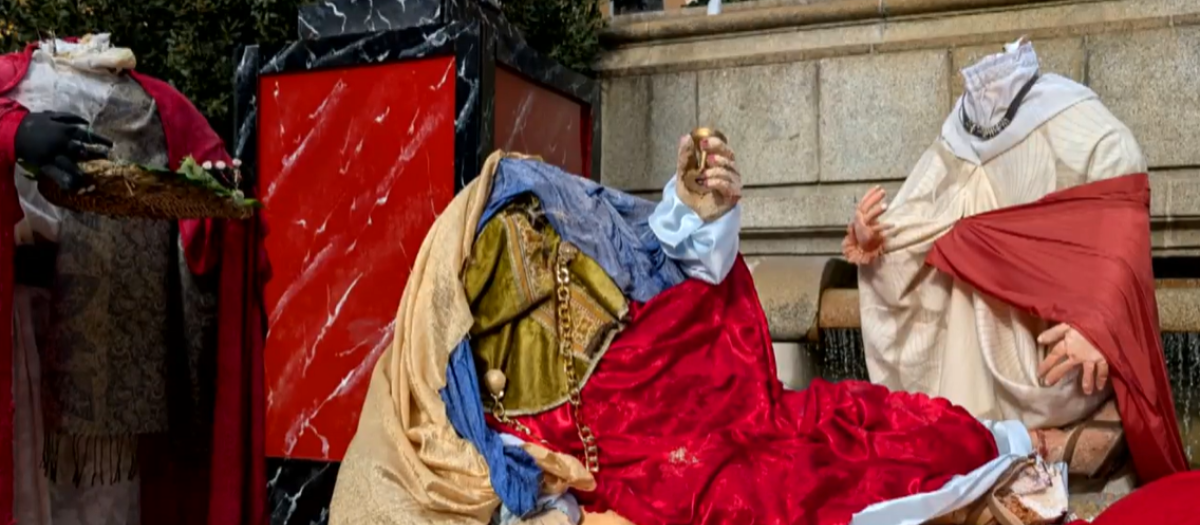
{"x": 926, "y": 332}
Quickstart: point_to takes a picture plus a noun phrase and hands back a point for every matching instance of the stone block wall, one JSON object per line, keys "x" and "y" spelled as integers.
{"x": 824, "y": 98}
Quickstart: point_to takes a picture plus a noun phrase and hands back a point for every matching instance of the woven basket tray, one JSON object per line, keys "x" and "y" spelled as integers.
{"x": 126, "y": 190}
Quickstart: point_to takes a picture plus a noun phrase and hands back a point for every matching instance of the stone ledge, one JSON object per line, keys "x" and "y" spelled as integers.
{"x": 810, "y": 219}
{"x": 777, "y": 15}
{"x": 1178, "y": 307}
{"x": 799, "y": 41}
{"x": 789, "y": 289}
{"x": 1174, "y": 198}
{"x": 839, "y": 309}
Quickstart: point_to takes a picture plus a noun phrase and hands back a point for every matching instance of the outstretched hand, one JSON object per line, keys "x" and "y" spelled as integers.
{"x": 1068, "y": 350}
{"x": 54, "y": 143}
{"x": 865, "y": 235}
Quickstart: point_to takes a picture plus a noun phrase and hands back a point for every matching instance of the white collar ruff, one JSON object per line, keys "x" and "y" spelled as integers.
{"x": 990, "y": 86}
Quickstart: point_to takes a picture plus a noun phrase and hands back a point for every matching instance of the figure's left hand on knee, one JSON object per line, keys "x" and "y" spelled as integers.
{"x": 1069, "y": 349}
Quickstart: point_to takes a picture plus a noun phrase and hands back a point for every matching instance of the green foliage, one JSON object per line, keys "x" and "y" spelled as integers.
{"x": 566, "y": 30}
{"x": 197, "y": 175}
{"x": 190, "y": 43}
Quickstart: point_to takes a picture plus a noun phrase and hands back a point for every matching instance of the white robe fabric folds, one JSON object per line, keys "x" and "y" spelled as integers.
{"x": 927, "y": 333}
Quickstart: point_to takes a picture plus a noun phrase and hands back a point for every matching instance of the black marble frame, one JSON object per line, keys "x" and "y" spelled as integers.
{"x": 459, "y": 39}
{"x": 498, "y": 44}
{"x": 299, "y": 491}
{"x": 478, "y": 46}
{"x": 326, "y": 18}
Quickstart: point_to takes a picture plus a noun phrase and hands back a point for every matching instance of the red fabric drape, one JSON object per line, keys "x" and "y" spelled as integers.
{"x": 10, "y": 213}
{"x": 1082, "y": 256}
{"x": 237, "y": 468}
{"x": 694, "y": 428}
{"x": 235, "y": 491}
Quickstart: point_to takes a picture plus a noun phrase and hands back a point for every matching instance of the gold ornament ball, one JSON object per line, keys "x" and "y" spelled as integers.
{"x": 495, "y": 381}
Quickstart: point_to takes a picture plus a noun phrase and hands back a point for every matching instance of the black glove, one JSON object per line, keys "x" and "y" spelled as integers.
{"x": 54, "y": 143}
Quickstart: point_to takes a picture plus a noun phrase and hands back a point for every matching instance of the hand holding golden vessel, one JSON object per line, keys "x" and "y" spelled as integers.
{"x": 709, "y": 182}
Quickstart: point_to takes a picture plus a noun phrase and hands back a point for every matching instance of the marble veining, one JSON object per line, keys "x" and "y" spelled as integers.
{"x": 533, "y": 119}
{"x": 372, "y": 48}
{"x": 354, "y": 166}
{"x": 467, "y": 120}
{"x": 512, "y": 51}
{"x": 245, "y": 109}
{"x": 299, "y": 491}
{"x": 349, "y": 17}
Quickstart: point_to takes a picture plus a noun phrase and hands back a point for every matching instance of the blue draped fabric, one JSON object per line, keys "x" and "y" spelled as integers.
{"x": 515, "y": 477}
{"x": 609, "y": 226}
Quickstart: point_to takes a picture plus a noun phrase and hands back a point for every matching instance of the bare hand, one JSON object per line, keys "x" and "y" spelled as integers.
{"x": 865, "y": 235}
{"x": 1069, "y": 349}
{"x": 720, "y": 174}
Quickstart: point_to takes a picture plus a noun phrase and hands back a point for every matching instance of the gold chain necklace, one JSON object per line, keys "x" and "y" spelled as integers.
{"x": 496, "y": 380}
{"x": 567, "y": 253}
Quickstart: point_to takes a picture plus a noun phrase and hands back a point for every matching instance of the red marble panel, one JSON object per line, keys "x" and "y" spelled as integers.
{"x": 536, "y": 120}
{"x": 354, "y": 166}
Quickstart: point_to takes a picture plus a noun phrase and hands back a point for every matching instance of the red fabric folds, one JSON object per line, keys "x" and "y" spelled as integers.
{"x": 10, "y": 213}
{"x": 693, "y": 426}
{"x": 237, "y": 467}
{"x": 1082, "y": 256}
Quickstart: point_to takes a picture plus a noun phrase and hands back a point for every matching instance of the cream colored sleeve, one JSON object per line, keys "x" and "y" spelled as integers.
{"x": 1115, "y": 155}
{"x": 918, "y": 214}
{"x": 1089, "y": 140}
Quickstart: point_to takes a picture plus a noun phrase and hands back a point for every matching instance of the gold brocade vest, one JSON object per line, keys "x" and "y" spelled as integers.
{"x": 510, "y": 284}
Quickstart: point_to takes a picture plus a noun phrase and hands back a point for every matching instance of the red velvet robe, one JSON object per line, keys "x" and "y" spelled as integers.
{"x": 172, "y": 488}
{"x": 1081, "y": 256}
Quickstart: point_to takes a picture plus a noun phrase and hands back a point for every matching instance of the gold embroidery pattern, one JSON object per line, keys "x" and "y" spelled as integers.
{"x": 512, "y": 287}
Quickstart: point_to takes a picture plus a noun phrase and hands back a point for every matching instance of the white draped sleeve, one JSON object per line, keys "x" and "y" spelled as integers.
{"x": 704, "y": 251}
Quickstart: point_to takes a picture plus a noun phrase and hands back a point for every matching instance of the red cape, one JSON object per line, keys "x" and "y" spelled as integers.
{"x": 237, "y": 477}
{"x": 1082, "y": 256}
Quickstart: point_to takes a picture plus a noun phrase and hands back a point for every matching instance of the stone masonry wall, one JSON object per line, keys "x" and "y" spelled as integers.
{"x": 818, "y": 113}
